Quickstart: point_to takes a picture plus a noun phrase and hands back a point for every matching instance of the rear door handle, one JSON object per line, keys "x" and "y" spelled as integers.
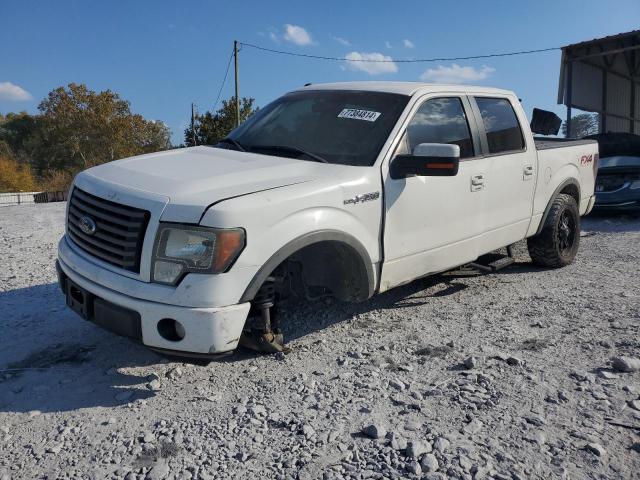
{"x": 527, "y": 173}
{"x": 477, "y": 183}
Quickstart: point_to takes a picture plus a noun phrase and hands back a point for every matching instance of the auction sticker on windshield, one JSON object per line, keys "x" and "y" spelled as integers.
{"x": 357, "y": 114}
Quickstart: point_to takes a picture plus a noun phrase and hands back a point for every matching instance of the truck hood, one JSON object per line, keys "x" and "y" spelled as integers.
{"x": 192, "y": 179}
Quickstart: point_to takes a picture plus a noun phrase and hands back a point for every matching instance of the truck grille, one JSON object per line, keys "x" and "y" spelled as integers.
{"x": 110, "y": 231}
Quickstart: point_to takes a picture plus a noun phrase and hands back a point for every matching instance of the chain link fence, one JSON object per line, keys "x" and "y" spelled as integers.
{"x": 20, "y": 198}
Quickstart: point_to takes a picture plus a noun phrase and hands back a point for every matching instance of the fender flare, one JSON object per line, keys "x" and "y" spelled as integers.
{"x": 304, "y": 241}
{"x": 568, "y": 181}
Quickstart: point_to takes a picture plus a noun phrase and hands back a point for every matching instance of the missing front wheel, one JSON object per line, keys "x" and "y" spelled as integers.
{"x": 262, "y": 332}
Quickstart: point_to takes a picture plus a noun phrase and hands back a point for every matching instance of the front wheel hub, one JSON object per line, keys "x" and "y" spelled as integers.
{"x": 261, "y": 332}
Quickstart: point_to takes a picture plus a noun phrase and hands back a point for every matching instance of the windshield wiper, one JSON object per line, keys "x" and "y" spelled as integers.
{"x": 233, "y": 142}
{"x": 287, "y": 148}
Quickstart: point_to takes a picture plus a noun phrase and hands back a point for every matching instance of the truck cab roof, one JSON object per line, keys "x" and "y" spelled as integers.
{"x": 404, "y": 88}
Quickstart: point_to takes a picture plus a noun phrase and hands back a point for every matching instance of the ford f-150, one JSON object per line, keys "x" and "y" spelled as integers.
{"x": 348, "y": 188}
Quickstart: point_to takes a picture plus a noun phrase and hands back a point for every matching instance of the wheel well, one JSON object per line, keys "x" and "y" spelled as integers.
{"x": 335, "y": 266}
{"x": 571, "y": 189}
{"x": 327, "y": 259}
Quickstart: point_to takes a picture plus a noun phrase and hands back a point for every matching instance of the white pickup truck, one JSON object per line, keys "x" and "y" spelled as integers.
{"x": 348, "y": 188}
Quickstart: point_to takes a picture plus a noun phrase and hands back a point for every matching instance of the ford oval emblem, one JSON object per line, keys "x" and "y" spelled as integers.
{"x": 87, "y": 225}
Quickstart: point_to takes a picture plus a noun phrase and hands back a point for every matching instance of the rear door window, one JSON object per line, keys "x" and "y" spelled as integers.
{"x": 501, "y": 124}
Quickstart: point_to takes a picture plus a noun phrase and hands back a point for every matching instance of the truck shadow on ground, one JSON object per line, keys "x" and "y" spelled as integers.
{"x": 54, "y": 362}
{"x": 326, "y": 313}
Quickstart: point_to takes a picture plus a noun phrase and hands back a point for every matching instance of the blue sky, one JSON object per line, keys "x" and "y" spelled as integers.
{"x": 162, "y": 55}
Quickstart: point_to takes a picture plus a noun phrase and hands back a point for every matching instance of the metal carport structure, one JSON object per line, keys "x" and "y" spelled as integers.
{"x": 603, "y": 76}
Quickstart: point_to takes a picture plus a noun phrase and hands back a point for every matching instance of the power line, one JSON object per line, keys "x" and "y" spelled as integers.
{"x": 224, "y": 80}
{"x": 407, "y": 60}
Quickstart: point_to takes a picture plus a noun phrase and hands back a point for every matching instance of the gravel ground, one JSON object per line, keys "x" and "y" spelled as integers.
{"x": 506, "y": 376}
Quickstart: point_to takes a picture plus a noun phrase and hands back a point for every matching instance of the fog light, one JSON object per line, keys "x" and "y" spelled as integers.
{"x": 171, "y": 330}
{"x": 166, "y": 272}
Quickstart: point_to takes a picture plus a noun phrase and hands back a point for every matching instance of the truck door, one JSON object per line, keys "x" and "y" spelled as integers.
{"x": 433, "y": 223}
{"x": 511, "y": 171}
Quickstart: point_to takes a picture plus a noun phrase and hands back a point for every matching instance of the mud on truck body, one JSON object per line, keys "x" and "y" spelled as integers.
{"x": 348, "y": 188}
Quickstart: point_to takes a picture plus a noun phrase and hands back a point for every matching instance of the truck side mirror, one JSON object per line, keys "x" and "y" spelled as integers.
{"x": 427, "y": 160}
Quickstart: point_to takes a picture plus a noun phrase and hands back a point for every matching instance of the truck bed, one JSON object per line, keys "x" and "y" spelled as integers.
{"x": 544, "y": 143}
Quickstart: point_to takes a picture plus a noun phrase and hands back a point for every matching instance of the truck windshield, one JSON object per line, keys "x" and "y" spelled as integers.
{"x": 341, "y": 127}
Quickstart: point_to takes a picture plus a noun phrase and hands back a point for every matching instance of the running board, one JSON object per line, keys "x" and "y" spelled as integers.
{"x": 478, "y": 267}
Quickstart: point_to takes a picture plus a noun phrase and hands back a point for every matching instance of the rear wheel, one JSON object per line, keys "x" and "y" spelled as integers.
{"x": 557, "y": 244}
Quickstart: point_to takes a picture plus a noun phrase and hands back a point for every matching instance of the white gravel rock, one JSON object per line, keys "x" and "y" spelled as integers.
{"x": 470, "y": 362}
{"x": 374, "y": 431}
{"x": 159, "y": 471}
{"x": 417, "y": 448}
{"x": 253, "y": 416}
{"x": 625, "y": 364}
{"x": 429, "y": 463}
{"x": 174, "y": 373}
{"x": 441, "y": 444}
{"x": 595, "y": 448}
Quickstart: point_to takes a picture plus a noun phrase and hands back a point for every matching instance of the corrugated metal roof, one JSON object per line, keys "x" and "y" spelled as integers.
{"x": 617, "y": 36}
{"x": 604, "y": 79}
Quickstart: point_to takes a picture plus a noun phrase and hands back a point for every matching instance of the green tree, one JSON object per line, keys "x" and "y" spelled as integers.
{"x": 210, "y": 127}
{"x": 16, "y": 133}
{"x": 582, "y": 125}
{"x": 78, "y": 128}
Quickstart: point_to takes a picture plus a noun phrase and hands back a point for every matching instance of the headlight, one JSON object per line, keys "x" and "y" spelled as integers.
{"x": 180, "y": 249}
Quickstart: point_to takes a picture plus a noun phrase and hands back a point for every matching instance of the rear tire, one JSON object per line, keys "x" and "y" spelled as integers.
{"x": 557, "y": 244}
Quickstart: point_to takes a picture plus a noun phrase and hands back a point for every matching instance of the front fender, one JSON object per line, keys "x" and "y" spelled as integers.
{"x": 305, "y": 240}
{"x": 278, "y": 222}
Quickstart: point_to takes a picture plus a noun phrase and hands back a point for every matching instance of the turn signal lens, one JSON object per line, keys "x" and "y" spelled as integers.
{"x": 230, "y": 243}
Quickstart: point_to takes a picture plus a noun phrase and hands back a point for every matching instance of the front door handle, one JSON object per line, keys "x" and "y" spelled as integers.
{"x": 477, "y": 183}
{"x": 527, "y": 173}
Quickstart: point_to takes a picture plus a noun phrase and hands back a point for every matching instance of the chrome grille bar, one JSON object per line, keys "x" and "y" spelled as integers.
{"x": 119, "y": 229}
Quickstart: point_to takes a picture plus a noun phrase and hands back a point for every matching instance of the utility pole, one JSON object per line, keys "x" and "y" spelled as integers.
{"x": 235, "y": 65}
{"x": 193, "y": 125}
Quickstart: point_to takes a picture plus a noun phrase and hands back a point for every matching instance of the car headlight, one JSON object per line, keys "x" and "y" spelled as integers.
{"x": 181, "y": 249}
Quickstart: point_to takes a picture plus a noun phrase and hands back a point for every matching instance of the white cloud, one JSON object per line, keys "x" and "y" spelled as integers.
{"x": 274, "y": 37}
{"x": 456, "y": 74}
{"x": 372, "y": 63}
{"x": 13, "y": 93}
{"x": 408, "y": 43}
{"x": 297, "y": 35}
{"x": 387, "y": 44}
{"x": 342, "y": 41}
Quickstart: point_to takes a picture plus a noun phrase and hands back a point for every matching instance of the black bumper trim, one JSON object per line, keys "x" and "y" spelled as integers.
{"x": 109, "y": 316}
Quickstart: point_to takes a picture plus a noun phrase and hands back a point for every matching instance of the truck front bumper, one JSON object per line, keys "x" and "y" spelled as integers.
{"x": 179, "y": 329}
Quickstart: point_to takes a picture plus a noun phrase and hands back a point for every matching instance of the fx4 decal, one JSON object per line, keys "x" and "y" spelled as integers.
{"x": 586, "y": 159}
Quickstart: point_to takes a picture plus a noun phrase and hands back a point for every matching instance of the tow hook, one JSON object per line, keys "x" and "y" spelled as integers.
{"x": 261, "y": 332}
